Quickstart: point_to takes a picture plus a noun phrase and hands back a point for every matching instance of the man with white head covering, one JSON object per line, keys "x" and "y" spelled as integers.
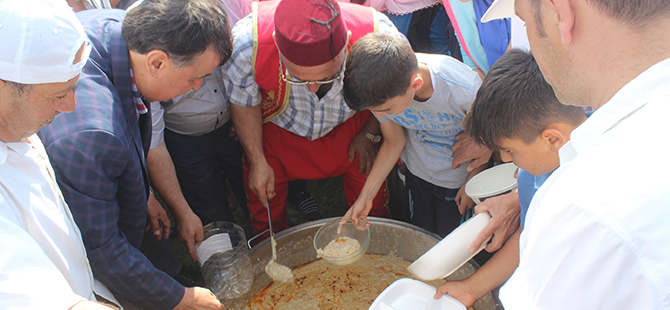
{"x": 43, "y": 263}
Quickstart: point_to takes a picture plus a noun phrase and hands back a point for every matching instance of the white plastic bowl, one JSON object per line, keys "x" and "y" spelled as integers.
{"x": 491, "y": 182}
{"x": 410, "y": 294}
{"x": 451, "y": 252}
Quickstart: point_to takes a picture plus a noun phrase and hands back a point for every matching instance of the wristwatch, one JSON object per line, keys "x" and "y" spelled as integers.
{"x": 371, "y": 137}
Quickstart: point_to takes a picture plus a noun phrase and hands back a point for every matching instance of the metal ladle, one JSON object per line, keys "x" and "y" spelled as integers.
{"x": 276, "y": 271}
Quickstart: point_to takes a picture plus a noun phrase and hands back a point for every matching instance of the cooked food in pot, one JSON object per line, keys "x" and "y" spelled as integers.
{"x": 339, "y": 247}
{"x": 322, "y": 285}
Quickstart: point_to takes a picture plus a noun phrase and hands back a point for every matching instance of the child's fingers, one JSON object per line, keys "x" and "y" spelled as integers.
{"x": 441, "y": 290}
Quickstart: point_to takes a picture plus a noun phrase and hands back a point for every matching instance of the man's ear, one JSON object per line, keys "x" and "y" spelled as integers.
{"x": 553, "y": 136}
{"x": 157, "y": 61}
{"x": 417, "y": 82}
{"x": 566, "y": 19}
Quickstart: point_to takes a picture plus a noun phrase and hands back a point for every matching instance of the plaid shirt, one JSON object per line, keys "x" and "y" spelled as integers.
{"x": 306, "y": 115}
{"x": 97, "y": 154}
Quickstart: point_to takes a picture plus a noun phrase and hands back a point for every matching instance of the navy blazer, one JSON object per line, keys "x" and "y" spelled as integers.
{"x": 97, "y": 152}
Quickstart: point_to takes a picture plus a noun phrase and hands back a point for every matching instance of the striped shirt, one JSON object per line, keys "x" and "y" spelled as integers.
{"x": 306, "y": 115}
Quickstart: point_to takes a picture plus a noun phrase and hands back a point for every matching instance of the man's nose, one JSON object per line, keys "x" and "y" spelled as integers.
{"x": 68, "y": 104}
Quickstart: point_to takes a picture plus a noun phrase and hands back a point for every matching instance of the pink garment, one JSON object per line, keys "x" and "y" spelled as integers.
{"x": 236, "y": 9}
{"x": 400, "y": 7}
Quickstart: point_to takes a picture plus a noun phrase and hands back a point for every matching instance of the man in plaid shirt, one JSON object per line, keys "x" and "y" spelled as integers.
{"x": 289, "y": 114}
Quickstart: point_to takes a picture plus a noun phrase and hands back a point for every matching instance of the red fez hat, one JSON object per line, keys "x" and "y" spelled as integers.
{"x": 309, "y": 32}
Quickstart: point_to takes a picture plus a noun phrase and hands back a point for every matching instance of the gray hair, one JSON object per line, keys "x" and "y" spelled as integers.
{"x": 180, "y": 28}
{"x": 20, "y": 89}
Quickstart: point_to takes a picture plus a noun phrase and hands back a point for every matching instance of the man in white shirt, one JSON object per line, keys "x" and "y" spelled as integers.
{"x": 596, "y": 233}
{"x": 43, "y": 263}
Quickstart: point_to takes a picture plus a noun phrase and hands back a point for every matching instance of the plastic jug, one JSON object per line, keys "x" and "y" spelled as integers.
{"x": 224, "y": 259}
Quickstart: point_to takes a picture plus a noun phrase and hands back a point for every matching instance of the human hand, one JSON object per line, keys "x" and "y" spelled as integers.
{"x": 196, "y": 298}
{"x": 262, "y": 181}
{"x": 464, "y": 201}
{"x": 366, "y": 151}
{"x": 466, "y": 149}
{"x": 233, "y": 133}
{"x": 358, "y": 214}
{"x": 157, "y": 219}
{"x": 504, "y": 211}
{"x": 190, "y": 231}
{"x": 459, "y": 290}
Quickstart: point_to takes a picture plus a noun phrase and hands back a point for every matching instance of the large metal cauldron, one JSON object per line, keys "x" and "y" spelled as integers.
{"x": 295, "y": 248}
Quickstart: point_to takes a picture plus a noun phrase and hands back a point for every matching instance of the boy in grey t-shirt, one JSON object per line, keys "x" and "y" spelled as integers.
{"x": 426, "y": 96}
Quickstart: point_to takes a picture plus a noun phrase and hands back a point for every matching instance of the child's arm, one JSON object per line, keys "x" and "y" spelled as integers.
{"x": 463, "y": 201}
{"x": 491, "y": 275}
{"x": 389, "y": 152}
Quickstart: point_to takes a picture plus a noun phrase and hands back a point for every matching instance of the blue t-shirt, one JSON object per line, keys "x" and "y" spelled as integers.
{"x": 528, "y": 184}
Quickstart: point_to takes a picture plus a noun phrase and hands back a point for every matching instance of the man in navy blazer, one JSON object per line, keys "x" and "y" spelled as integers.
{"x": 161, "y": 49}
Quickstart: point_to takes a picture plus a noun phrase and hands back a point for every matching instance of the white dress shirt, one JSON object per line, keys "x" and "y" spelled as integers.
{"x": 597, "y": 233}
{"x": 43, "y": 262}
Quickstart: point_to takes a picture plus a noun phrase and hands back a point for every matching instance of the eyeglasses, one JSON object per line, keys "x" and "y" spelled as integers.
{"x": 294, "y": 81}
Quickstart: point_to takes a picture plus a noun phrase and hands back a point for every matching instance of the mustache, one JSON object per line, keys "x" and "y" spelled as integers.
{"x": 51, "y": 119}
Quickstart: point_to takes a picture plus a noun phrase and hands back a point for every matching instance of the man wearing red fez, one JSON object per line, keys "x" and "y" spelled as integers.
{"x": 285, "y": 85}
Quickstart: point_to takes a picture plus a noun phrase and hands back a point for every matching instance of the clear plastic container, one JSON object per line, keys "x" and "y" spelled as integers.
{"x": 224, "y": 259}
{"x": 328, "y": 232}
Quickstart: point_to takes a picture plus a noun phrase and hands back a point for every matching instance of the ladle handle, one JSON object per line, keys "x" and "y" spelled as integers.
{"x": 269, "y": 213}
{"x": 255, "y": 237}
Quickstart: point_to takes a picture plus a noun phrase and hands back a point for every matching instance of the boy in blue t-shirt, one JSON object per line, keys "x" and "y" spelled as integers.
{"x": 516, "y": 113}
{"x": 420, "y": 101}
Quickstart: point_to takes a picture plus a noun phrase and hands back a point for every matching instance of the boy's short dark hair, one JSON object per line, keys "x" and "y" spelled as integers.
{"x": 182, "y": 29}
{"x": 516, "y": 102}
{"x": 379, "y": 67}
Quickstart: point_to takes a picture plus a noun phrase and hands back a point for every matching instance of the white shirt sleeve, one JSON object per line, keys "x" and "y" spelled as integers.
{"x": 157, "y": 124}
